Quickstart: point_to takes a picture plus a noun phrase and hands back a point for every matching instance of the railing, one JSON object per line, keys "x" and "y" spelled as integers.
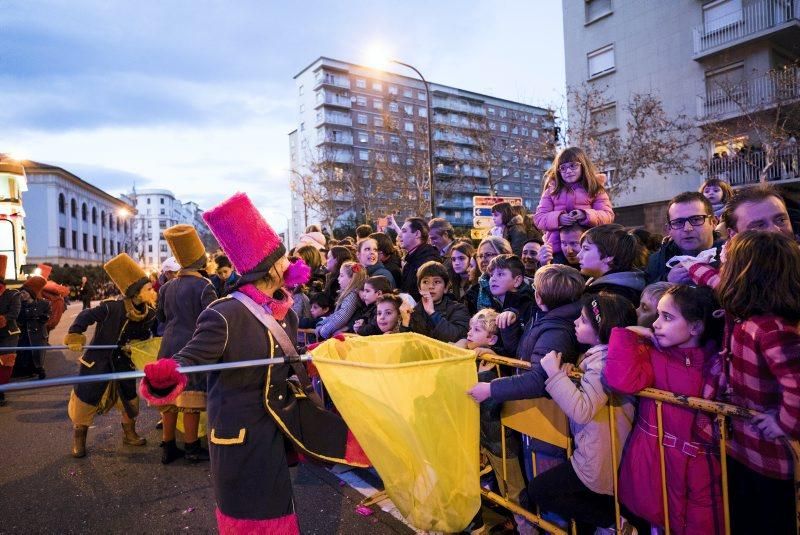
{"x": 765, "y": 91}
{"x": 335, "y": 119}
{"x": 341, "y": 139}
{"x": 752, "y": 19}
{"x": 721, "y": 410}
{"x": 453, "y": 137}
{"x": 455, "y": 105}
{"x": 335, "y": 100}
{"x": 749, "y": 167}
{"x": 335, "y": 81}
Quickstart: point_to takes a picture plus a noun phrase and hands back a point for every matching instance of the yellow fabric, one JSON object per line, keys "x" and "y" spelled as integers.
{"x": 185, "y": 244}
{"x": 540, "y": 418}
{"x": 146, "y": 351}
{"x": 124, "y": 271}
{"x": 404, "y": 397}
{"x": 75, "y": 341}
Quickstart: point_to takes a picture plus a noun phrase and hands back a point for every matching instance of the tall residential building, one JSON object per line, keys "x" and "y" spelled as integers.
{"x": 369, "y": 129}
{"x": 729, "y": 65}
{"x": 69, "y": 221}
{"x": 157, "y": 210}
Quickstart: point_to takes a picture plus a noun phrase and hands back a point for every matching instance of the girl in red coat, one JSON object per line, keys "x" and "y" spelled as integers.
{"x": 677, "y": 355}
{"x": 762, "y": 349}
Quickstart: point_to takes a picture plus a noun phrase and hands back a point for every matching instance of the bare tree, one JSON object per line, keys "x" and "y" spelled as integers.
{"x": 756, "y": 119}
{"x": 650, "y": 138}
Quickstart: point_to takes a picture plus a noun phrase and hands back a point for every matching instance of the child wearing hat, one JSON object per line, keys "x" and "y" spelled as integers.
{"x": 246, "y": 431}
{"x": 118, "y": 321}
{"x": 9, "y": 331}
{"x": 180, "y": 302}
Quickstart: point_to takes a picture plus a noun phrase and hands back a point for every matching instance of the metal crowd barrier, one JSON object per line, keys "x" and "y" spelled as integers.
{"x": 721, "y": 410}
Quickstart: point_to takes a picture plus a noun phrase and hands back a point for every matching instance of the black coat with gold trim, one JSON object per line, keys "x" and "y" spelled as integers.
{"x": 10, "y": 305}
{"x": 113, "y": 326}
{"x": 248, "y": 460}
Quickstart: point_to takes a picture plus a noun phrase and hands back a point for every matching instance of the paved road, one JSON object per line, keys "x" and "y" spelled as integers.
{"x": 120, "y": 488}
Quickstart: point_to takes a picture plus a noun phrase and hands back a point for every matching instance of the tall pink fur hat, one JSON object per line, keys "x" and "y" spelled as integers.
{"x": 248, "y": 240}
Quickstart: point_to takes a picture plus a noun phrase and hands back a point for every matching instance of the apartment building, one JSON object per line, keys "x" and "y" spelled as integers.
{"x": 727, "y": 64}
{"x": 157, "y": 210}
{"x": 371, "y": 126}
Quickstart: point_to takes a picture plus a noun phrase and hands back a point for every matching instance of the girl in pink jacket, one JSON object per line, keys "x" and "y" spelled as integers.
{"x": 677, "y": 356}
{"x": 573, "y": 193}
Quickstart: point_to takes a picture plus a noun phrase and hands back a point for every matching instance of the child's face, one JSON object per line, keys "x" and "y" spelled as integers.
{"x": 330, "y": 262}
{"x": 647, "y": 312}
{"x": 584, "y": 330}
{"x": 478, "y": 336}
{"x": 318, "y": 311}
{"x": 460, "y": 262}
{"x": 497, "y": 218}
{"x": 570, "y": 172}
{"x": 369, "y": 295}
{"x": 672, "y": 329}
{"x": 592, "y": 261}
{"x": 387, "y": 317}
{"x": 502, "y": 281}
{"x": 713, "y": 194}
{"x": 224, "y": 272}
{"x": 434, "y": 286}
{"x": 344, "y": 279}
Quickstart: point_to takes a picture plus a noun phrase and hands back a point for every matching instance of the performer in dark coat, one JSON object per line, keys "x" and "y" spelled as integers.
{"x": 9, "y": 331}
{"x": 33, "y": 316}
{"x": 118, "y": 322}
{"x": 85, "y": 293}
{"x": 248, "y": 453}
{"x": 180, "y": 302}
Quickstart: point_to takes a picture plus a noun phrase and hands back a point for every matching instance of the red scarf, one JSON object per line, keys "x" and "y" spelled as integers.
{"x": 276, "y": 307}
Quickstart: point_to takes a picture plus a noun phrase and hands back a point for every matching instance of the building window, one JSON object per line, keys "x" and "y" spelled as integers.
{"x": 84, "y": 212}
{"x": 361, "y": 100}
{"x": 423, "y": 112}
{"x": 62, "y": 204}
{"x": 148, "y": 200}
{"x": 363, "y": 137}
{"x": 162, "y": 224}
{"x": 721, "y": 14}
{"x": 300, "y": 90}
{"x": 111, "y": 247}
{"x": 394, "y": 140}
{"x": 503, "y": 127}
{"x": 601, "y": 61}
{"x": 392, "y": 89}
{"x": 103, "y": 218}
{"x": 410, "y": 143}
{"x": 490, "y": 111}
{"x": 62, "y": 237}
{"x": 422, "y": 95}
{"x": 394, "y": 158}
{"x": 492, "y": 125}
{"x": 104, "y": 246}
{"x": 503, "y": 113}
{"x": 125, "y": 226}
{"x": 380, "y": 157}
{"x": 379, "y": 139}
{"x": 408, "y": 109}
{"x": 94, "y": 244}
{"x": 302, "y": 108}
{"x": 85, "y": 242}
{"x": 162, "y": 200}
{"x": 408, "y": 93}
{"x": 394, "y": 107}
{"x": 408, "y": 126}
{"x": 377, "y": 104}
{"x": 604, "y": 118}
{"x": 377, "y": 86}
{"x": 94, "y": 215}
{"x": 149, "y": 247}
{"x": 163, "y": 212}
{"x": 75, "y": 239}
{"x": 302, "y": 127}
{"x": 597, "y": 9}
{"x": 378, "y": 121}
{"x": 73, "y": 208}
{"x": 363, "y": 155}
{"x": 361, "y": 118}
{"x": 361, "y": 83}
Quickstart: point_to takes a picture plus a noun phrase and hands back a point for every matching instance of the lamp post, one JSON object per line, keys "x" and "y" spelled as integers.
{"x": 430, "y": 134}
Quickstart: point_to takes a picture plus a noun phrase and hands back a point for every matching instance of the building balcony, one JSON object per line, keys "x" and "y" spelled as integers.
{"x": 458, "y": 171}
{"x": 335, "y": 118}
{"x": 340, "y": 156}
{"x": 753, "y": 21}
{"x": 450, "y": 154}
{"x": 742, "y": 168}
{"x": 453, "y": 137}
{"x": 455, "y": 105}
{"x": 332, "y": 81}
{"x": 335, "y": 138}
{"x": 456, "y": 121}
{"x": 333, "y": 99}
{"x": 756, "y": 94}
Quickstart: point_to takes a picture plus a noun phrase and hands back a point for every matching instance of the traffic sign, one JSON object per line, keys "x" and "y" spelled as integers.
{"x": 481, "y": 212}
{"x": 478, "y": 233}
{"x": 483, "y": 222}
{"x": 484, "y": 201}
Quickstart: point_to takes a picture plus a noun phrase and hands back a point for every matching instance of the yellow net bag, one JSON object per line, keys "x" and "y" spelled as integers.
{"x": 146, "y": 351}
{"x": 404, "y": 397}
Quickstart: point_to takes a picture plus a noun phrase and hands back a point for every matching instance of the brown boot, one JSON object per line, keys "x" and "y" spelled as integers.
{"x": 79, "y": 441}
{"x": 130, "y": 437}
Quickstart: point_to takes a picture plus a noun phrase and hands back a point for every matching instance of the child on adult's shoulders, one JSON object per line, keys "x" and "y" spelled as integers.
{"x": 437, "y": 314}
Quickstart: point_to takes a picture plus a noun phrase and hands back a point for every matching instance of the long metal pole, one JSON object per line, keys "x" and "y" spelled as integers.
{"x": 121, "y": 376}
{"x": 430, "y": 133}
{"x": 52, "y": 348}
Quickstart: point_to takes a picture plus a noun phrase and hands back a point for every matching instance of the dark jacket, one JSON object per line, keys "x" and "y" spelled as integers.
{"x": 180, "y": 302}
{"x": 521, "y": 302}
{"x": 424, "y": 253}
{"x": 394, "y": 266}
{"x": 449, "y": 322}
{"x": 547, "y": 331}
{"x": 112, "y": 328}
{"x": 516, "y": 234}
{"x": 248, "y": 456}
{"x": 628, "y": 284}
{"x": 224, "y": 287}
{"x": 32, "y": 319}
{"x": 370, "y": 316}
{"x": 86, "y": 292}
{"x": 379, "y": 270}
{"x": 10, "y": 305}
{"x": 657, "y": 269}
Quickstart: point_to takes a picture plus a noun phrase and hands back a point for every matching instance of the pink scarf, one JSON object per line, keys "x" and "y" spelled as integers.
{"x": 276, "y": 307}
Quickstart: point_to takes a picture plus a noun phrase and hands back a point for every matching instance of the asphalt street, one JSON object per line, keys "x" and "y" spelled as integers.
{"x": 120, "y": 488}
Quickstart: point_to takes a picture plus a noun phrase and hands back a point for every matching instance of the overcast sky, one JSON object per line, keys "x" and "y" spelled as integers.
{"x": 197, "y": 96}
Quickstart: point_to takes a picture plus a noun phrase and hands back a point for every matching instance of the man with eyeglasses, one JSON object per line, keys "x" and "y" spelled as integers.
{"x": 690, "y": 225}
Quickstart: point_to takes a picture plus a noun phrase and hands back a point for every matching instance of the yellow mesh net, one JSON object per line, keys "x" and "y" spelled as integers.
{"x": 404, "y": 398}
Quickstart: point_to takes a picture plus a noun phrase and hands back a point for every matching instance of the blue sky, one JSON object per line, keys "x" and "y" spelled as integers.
{"x": 197, "y": 96}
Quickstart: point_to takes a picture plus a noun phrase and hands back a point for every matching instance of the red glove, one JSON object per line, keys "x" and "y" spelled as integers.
{"x": 337, "y": 336}
{"x": 3, "y": 321}
{"x": 162, "y": 382}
